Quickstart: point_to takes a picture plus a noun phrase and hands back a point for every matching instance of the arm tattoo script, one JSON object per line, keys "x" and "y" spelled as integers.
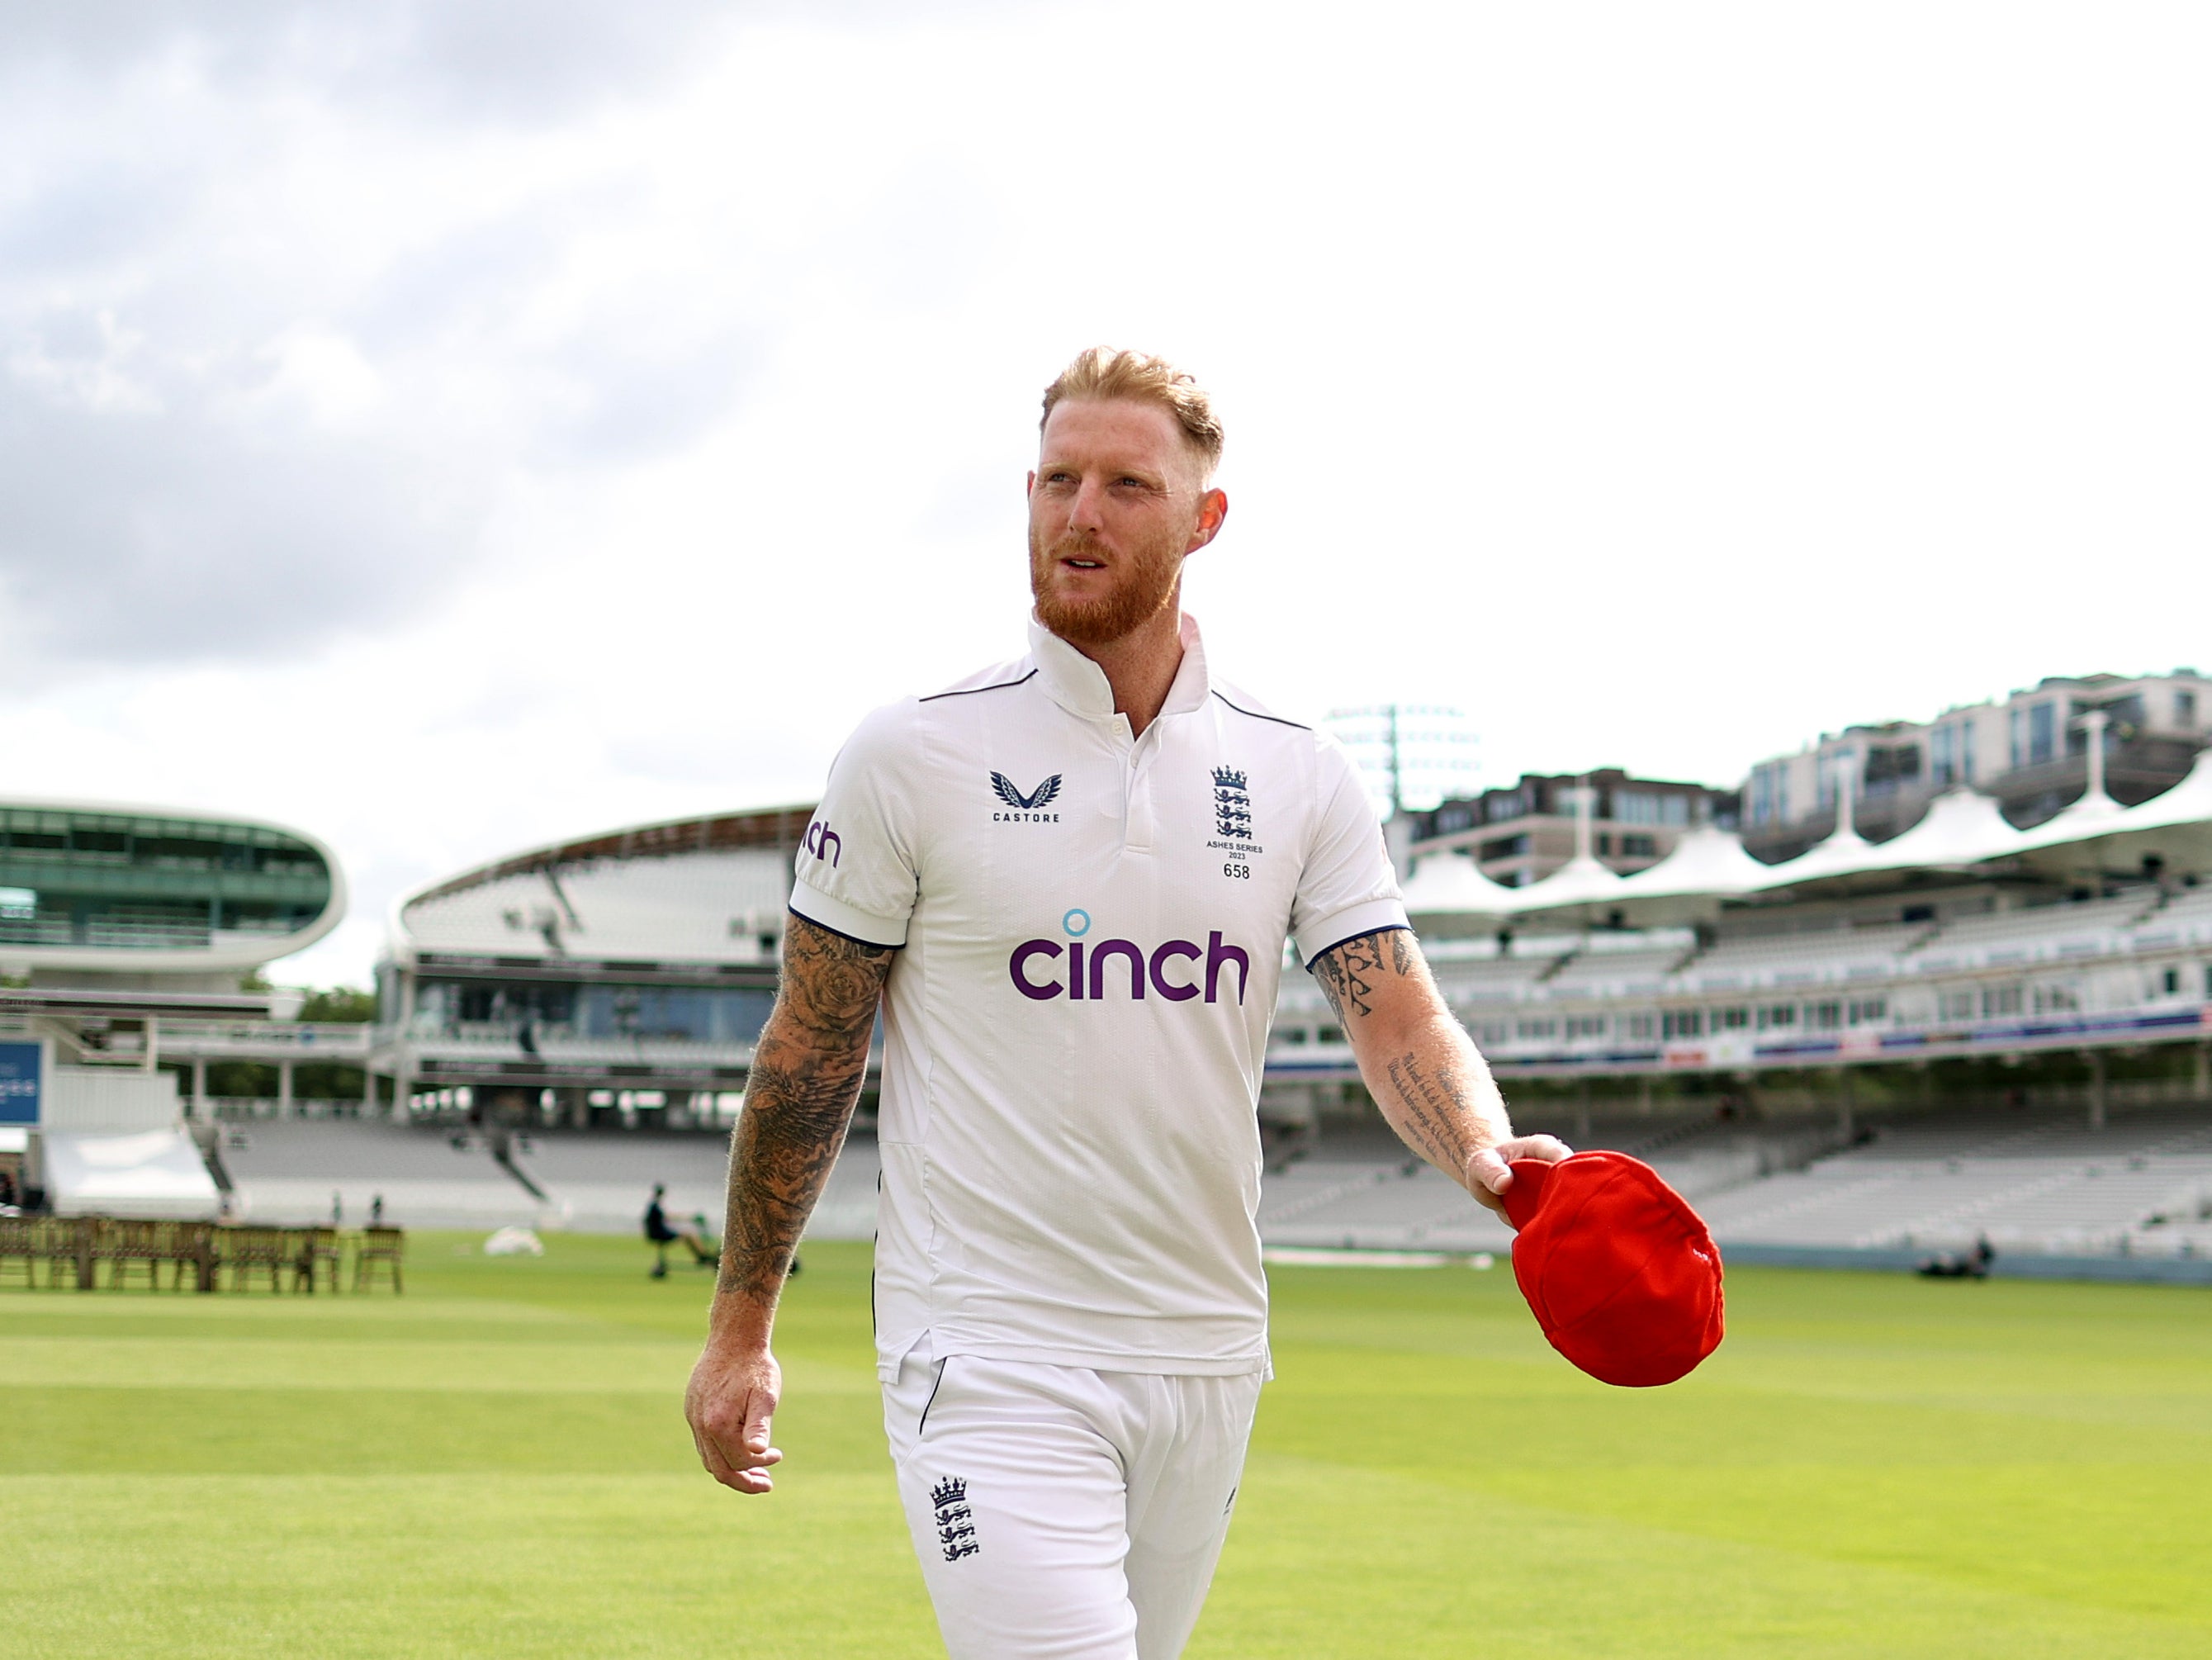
{"x": 1440, "y": 1118}
{"x": 1438, "y": 1095}
{"x": 806, "y": 1074}
{"x": 1348, "y": 972}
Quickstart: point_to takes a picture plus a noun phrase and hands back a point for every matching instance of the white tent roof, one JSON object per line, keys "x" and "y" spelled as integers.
{"x": 1445, "y": 889}
{"x": 1961, "y": 827}
{"x": 2090, "y": 817}
{"x": 1707, "y": 859}
{"x": 1581, "y": 881}
{"x": 2189, "y": 802}
{"x": 153, "y": 1173}
{"x": 2177, "y": 825}
{"x": 1845, "y": 853}
{"x": 1708, "y": 865}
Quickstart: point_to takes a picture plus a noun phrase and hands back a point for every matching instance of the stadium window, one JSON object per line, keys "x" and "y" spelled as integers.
{"x": 1775, "y": 1016}
{"x": 1296, "y": 1035}
{"x": 1942, "y": 766}
{"x": 1639, "y": 807}
{"x": 2184, "y": 710}
{"x": 1868, "y": 1011}
{"x": 1888, "y": 765}
{"x": 1682, "y": 1023}
{"x": 2056, "y": 1000}
{"x": 1605, "y": 843}
{"x": 2042, "y": 733}
{"x": 1329, "y": 1034}
{"x": 1505, "y": 847}
{"x": 1823, "y": 1017}
{"x": 1639, "y": 1025}
{"x": 2173, "y": 978}
{"x": 1999, "y": 1000}
{"x": 1503, "y": 805}
{"x": 1493, "y": 1032}
{"x": 1585, "y": 1025}
{"x": 1529, "y": 1031}
{"x": 1955, "y": 1004}
{"x": 1638, "y": 846}
{"x": 1731, "y": 1020}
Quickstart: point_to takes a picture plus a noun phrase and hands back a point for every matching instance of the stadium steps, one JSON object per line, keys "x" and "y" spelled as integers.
{"x": 2055, "y": 1185}
{"x": 289, "y": 1170}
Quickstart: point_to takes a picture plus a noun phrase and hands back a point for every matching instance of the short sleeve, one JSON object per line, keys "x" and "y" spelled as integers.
{"x": 856, "y": 869}
{"x": 1347, "y": 887}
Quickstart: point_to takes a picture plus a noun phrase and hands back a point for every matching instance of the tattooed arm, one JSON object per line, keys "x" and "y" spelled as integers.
{"x": 806, "y": 1080}
{"x": 1421, "y": 1066}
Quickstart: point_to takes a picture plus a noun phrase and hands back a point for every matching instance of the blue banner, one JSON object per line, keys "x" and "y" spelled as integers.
{"x": 22, "y": 1079}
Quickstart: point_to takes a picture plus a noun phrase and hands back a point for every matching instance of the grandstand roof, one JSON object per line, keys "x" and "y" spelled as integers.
{"x": 1446, "y": 887}
{"x": 1961, "y": 831}
{"x": 109, "y": 887}
{"x": 1707, "y": 864}
{"x": 698, "y": 892}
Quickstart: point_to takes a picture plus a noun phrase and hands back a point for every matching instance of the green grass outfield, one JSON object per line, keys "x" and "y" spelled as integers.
{"x": 495, "y": 1465}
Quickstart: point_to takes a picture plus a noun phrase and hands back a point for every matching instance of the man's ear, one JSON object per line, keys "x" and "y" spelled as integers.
{"x": 1212, "y": 509}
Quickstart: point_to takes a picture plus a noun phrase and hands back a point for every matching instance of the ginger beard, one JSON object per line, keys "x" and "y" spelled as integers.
{"x": 1144, "y": 583}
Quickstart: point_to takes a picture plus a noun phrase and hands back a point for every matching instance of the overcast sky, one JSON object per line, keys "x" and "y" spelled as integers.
{"x": 451, "y": 426}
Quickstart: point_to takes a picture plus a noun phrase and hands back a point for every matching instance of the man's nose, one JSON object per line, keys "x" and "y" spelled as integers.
{"x": 1086, "y": 513}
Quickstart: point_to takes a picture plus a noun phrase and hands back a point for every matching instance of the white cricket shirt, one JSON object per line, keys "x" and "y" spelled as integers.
{"x": 1092, "y": 927}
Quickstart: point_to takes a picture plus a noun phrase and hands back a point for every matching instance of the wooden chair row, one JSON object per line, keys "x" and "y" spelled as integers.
{"x": 72, "y": 1249}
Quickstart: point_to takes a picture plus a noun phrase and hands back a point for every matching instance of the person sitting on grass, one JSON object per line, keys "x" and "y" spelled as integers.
{"x": 663, "y": 1234}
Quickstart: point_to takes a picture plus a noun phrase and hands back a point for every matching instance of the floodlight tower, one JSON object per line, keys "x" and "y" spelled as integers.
{"x": 1416, "y": 752}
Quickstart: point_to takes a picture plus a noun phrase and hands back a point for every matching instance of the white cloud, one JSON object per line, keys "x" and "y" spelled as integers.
{"x": 454, "y": 427}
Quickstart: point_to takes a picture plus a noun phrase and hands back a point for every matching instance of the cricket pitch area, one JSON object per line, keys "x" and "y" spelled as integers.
{"x": 496, "y": 1464}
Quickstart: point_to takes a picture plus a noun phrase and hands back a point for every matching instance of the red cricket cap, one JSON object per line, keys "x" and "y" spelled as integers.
{"x": 1621, "y": 1272}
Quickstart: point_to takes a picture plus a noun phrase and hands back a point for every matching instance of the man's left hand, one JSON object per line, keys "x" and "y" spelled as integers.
{"x": 1491, "y": 1168}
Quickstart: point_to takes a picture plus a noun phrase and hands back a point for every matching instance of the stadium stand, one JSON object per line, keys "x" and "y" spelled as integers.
{"x": 2183, "y": 920}
{"x": 1616, "y": 973}
{"x": 290, "y": 1171}
{"x": 599, "y": 1184}
{"x": 2035, "y": 1183}
{"x": 1814, "y": 957}
{"x": 2041, "y": 934}
{"x": 1468, "y": 980}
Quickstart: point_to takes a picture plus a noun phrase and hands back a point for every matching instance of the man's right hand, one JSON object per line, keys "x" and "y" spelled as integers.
{"x": 733, "y": 1393}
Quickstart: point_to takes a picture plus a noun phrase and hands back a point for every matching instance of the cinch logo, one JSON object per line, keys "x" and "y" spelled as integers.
{"x": 823, "y": 842}
{"x": 1087, "y": 968}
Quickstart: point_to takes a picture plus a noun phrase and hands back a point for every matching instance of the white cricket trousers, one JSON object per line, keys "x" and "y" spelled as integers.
{"x": 1064, "y": 1514}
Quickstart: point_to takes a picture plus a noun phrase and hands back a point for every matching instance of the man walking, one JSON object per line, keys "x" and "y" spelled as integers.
{"x": 1068, "y": 881}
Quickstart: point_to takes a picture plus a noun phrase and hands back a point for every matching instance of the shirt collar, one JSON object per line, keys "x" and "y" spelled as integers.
{"x": 1079, "y": 685}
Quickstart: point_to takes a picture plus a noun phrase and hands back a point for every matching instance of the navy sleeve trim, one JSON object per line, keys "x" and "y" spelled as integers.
{"x": 1293, "y": 725}
{"x": 873, "y": 944}
{"x": 969, "y": 691}
{"x": 1387, "y": 928}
